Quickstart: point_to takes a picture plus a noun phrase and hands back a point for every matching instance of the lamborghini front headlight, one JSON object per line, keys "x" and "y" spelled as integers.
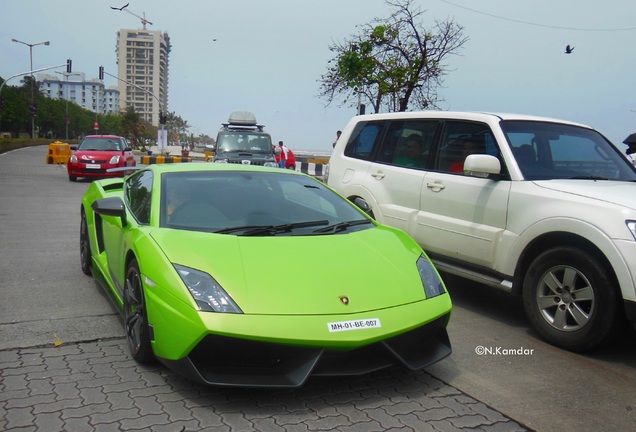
{"x": 206, "y": 291}
{"x": 433, "y": 285}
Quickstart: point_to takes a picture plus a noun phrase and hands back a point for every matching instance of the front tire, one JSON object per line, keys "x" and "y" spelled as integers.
{"x": 136, "y": 316}
{"x": 570, "y": 299}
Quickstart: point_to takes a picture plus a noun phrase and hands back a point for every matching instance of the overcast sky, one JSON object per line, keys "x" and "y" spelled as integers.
{"x": 269, "y": 55}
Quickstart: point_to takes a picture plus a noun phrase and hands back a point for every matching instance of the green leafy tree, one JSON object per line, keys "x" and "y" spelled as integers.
{"x": 112, "y": 123}
{"x": 51, "y": 117}
{"x": 176, "y": 126}
{"x": 132, "y": 126}
{"x": 392, "y": 64}
{"x": 14, "y": 109}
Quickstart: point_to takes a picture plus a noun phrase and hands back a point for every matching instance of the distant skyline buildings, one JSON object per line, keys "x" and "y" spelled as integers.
{"x": 142, "y": 69}
{"x": 90, "y": 94}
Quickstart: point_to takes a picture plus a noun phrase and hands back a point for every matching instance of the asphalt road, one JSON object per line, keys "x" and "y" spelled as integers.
{"x": 58, "y": 328}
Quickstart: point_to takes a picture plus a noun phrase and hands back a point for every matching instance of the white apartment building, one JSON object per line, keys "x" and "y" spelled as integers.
{"x": 142, "y": 68}
{"x": 89, "y": 94}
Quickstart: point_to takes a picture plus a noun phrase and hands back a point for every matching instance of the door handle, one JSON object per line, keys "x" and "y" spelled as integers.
{"x": 378, "y": 175}
{"x": 435, "y": 186}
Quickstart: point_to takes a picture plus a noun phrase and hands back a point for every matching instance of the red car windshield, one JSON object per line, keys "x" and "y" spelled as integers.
{"x": 105, "y": 144}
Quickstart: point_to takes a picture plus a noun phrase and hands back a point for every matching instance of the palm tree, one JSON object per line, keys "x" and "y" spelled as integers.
{"x": 133, "y": 126}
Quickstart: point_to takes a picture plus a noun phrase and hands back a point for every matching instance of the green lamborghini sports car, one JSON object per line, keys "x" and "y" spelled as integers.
{"x": 236, "y": 275}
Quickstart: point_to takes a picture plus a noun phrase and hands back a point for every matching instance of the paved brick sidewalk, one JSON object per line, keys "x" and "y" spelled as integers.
{"x": 96, "y": 386}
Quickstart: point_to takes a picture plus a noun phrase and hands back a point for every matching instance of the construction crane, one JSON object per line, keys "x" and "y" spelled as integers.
{"x": 143, "y": 19}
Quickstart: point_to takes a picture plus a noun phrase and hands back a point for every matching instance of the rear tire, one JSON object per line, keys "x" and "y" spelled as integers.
{"x": 570, "y": 299}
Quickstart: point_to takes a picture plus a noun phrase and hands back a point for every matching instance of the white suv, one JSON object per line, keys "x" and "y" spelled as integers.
{"x": 539, "y": 207}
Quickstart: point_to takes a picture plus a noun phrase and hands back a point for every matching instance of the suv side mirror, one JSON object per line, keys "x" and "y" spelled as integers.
{"x": 481, "y": 165}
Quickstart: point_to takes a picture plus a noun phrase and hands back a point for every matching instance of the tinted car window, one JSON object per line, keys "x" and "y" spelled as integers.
{"x": 222, "y": 201}
{"x": 552, "y": 151}
{"x": 362, "y": 140}
{"x": 138, "y": 195}
{"x": 460, "y": 139}
{"x": 407, "y": 143}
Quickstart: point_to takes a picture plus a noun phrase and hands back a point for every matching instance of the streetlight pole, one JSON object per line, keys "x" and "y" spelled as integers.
{"x": 66, "y": 75}
{"x": 102, "y": 72}
{"x": 31, "y": 45}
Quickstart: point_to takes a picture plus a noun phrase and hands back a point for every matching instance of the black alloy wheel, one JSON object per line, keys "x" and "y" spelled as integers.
{"x": 85, "y": 246}
{"x": 136, "y": 316}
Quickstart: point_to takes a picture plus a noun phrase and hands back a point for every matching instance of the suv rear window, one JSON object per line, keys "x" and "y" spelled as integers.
{"x": 362, "y": 140}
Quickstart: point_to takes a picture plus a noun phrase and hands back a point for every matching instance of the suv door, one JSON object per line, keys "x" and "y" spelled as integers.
{"x": 462, "y": 217}
{"x": 398, "y": 169}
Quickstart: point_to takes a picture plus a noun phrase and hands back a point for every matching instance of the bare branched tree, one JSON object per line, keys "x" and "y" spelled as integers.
{"x": 392, "y": 64}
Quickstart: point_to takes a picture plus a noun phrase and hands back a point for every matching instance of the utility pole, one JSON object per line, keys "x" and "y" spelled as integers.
{"x": 66, "y": 117}
{"x": 162, "y": 114}
{"x": 32, "y": 108}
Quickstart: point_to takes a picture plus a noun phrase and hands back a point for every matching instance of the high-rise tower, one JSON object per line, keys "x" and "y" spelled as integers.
{"x": 142, "y": 62}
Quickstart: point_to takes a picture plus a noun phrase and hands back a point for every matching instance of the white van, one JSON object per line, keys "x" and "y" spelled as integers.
{"x": 538, "y": 207}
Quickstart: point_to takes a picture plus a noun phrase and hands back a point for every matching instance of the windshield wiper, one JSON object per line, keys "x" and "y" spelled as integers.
{"x": 588, "y": 177}
{"x": 342, "y": 226}
{"x": 253, "y": 230}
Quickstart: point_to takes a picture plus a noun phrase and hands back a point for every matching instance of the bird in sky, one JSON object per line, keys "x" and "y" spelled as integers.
{"x": 121, "y": 8}
{"x": 569, "y": 49}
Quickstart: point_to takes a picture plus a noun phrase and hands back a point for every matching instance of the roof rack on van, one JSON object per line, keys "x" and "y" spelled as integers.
{"x": 242, "y": 120}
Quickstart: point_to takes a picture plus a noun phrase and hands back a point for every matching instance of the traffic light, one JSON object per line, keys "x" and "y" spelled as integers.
{"x": 32, "y": 109}
{"x": 69, "y": 65}
{"x": 101, "y": 72}
{"x": 162, "y": 118}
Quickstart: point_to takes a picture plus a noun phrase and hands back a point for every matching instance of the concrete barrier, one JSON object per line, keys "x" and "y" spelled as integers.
{"x": 147, "y": 160}
{"x": 59, "y": 153}
{"x": 313, "y": 169}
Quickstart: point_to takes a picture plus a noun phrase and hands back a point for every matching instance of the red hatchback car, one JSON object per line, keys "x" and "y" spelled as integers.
{"x": 98, "y": 153}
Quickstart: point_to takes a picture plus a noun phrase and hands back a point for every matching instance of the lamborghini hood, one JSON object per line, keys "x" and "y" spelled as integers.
{"x": 304, "y": 275}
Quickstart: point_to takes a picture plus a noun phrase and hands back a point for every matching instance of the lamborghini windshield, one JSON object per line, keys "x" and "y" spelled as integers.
{"x": 255, "y": 204}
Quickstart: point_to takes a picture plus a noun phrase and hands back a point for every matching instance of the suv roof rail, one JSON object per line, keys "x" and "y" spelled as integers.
{"x": 235, "y": 127}
{"x": 242, "y": 120}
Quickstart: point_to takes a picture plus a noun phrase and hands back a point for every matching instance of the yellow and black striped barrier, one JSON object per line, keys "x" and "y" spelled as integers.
{"x": 147, "y": 160}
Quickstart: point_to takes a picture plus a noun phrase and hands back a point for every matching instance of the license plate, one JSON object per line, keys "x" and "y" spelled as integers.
{"x": 360, "y": 324}
{"x": 93, "y": 166}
